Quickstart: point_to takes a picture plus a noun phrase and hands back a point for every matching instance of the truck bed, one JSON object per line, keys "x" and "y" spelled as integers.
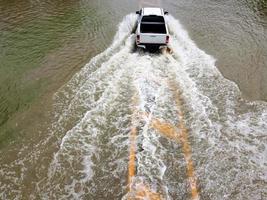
{"x": 152, "y": 31}
{"x": 147, "y": 27}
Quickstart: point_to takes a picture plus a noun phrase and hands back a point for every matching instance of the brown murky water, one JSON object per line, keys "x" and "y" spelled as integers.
{"x": 66, "y": 125}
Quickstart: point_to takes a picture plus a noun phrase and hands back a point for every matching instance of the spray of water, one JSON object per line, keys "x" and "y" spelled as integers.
{"x": 94, "y": 117}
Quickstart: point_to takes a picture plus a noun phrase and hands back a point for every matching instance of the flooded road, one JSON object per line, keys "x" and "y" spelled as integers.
{"x": 129, "y": 124}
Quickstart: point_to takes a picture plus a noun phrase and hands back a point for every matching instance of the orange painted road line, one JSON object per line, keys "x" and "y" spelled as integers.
{"x": 177, "y": 133}
{"x": 185, "y": 142}
{"x": 166, "y": 129}
{"x": 131, "y": 166}
{"x": 133, "y": 135}
{"x": 180, "y": 135}
{"x": 139, "y": 191}
{"x": 142, "y": 192}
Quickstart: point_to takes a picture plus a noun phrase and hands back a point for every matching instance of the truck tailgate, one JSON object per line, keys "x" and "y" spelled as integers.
{"x": 153, "y": 38}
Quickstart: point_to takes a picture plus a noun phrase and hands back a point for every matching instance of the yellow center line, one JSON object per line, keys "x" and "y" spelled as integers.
{"x": 133, "y": 135}
{"x": 166, "y": 129}
{"x": 131, "y": 168}
{"x": 141, "y": 191}
{"x": 185, "y": 142}
{"x": 179, "y": 134}
{"x": 171, "y": 132}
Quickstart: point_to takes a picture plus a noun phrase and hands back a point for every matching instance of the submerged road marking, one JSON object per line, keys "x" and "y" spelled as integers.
{"x": 179, "y": 134}
{"x": 133, "y": 135}
{"x": 166, "y": 129}
{"x": 131, "y": 168}
{"x": 139, "y": 191}
{"x": 185, "y": 143}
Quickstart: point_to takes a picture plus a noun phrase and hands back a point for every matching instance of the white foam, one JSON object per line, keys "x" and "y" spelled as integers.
{"x": 210, "y": 103}
{"x": 93, "y": 121}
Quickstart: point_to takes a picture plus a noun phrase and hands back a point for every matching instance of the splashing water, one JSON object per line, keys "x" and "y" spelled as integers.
{"x": 96, "y": 110}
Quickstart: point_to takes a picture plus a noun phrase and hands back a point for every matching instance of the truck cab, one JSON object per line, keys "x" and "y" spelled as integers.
{"x": 152, "y": 31}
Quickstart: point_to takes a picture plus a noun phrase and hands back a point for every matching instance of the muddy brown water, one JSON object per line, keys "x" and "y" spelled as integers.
{"x": 65, "y": 119}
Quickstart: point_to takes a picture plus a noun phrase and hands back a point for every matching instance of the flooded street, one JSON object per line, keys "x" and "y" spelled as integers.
{"x": 86, "y": 116}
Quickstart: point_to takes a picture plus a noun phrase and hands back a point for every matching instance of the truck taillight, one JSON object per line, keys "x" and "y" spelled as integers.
{"x": 167, "y": 39}
{"x": 138, "y": 39}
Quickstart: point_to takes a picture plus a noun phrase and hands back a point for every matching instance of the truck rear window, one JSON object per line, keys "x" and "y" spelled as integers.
{"x": 151, "y": 18}
{"x": 153, "y": 28}
{"x": 153, "y": 24}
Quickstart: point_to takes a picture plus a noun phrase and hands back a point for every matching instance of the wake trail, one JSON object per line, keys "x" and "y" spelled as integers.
{"x": 93, "y": 120}
{"x": 100, "y": 99}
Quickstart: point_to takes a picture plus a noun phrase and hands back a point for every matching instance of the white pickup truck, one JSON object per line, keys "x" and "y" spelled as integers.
{"x": 152, "y": 31}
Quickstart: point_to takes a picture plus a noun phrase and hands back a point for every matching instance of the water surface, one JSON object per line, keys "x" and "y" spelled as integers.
{"x": 69, "y": 122}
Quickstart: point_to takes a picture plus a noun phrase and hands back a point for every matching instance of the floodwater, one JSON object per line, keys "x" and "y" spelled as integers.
{"x": 83, "y": 116}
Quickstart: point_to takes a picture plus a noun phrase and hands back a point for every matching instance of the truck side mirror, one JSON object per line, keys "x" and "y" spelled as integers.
{"x": 137, "y": 12}
{"x": 166, "y": 12}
